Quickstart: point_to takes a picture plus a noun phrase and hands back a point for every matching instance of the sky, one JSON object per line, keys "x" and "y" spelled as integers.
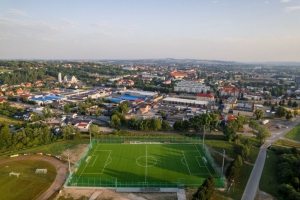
{"x": 231, "y": 30}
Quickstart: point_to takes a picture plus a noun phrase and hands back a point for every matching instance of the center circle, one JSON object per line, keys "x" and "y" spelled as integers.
{"x": 146, "y": 161}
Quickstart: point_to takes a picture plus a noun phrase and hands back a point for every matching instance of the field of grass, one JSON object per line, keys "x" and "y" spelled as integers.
{"x": 9, "y": 121}
{"x": 294, "y": 134}
{"x": 269, "y": 182}
{"x": 29, "y": 185}
{"x": 6, "y": 70}
{"x": 287, "y": 143}
{"x": 143, "y": 165}
{"x": 53, "y": 148}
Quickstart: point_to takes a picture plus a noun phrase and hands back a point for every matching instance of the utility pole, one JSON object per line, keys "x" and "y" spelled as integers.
{"x": 203, "y": 135}
{"x": 68, "y": 151}
{"x": 223, "y": 160}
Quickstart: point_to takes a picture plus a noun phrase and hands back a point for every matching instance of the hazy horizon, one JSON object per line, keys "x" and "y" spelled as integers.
{"x": 240, "y": 31}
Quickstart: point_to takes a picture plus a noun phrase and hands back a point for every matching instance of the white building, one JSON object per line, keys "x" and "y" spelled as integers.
{"x": 153, "y": 76}
{"x": 191, "y": 87}
{"x": 186, "y": 102}
{"x": 59, "y": 78}
{"x": 70, "y": 79}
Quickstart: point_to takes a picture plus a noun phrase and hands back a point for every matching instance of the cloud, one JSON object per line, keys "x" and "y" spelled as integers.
{"x": 284, "y": 1}
{"x": 266, "y": 2}
{"x": 67, "y": 22}
{"x": 13, "y": 11}
{"x": 292, "y": 8}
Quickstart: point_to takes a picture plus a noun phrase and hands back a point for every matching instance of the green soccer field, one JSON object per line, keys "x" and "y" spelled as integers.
{"x": 143, "y": 165}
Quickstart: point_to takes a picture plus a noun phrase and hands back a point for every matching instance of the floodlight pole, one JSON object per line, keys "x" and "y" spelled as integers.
{"x": 203, "y": 136}
{"x": 223, "y": 160}
{"x": 69, "y": 160}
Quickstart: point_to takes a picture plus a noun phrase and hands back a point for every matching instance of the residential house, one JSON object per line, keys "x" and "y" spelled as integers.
{"x": 144, "y": 108}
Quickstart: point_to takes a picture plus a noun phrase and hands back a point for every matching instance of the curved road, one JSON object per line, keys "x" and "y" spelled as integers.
{"x": 61, "y": 170}
{"x": 253, "y": 182}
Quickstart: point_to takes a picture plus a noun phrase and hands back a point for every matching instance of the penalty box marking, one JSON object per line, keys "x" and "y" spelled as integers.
{"x": 106, "y": 162}
{"x": 188, "y": 166}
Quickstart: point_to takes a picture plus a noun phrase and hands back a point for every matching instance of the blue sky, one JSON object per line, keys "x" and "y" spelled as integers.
{"x": 248, "y": 30}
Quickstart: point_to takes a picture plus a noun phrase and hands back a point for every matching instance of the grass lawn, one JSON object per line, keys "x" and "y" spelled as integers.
{"x": 143, "y": 165}
{"x": 6, "y": 70}
{"x": 29, "y": 185}
{"x": 54, "y": 148}
{"x": 269, "y": 182}
{"x": 287, "y": 143}
{"x": 294, "y": 134}
{"x": 236, "y": 192}
{"x": 8, "y": 120}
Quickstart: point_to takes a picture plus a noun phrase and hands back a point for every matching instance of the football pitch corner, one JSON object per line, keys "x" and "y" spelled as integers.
{"x": 145, "y": 162}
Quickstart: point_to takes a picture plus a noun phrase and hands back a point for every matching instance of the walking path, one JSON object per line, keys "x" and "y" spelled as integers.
{"x": 253, "y": 182}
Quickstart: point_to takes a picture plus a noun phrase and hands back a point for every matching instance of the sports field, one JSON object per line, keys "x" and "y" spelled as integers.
{"x": 28, "y": 185}
{"x": 143, "y": 165}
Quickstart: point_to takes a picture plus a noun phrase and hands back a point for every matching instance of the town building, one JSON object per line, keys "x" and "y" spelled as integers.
{"x": 191, "y": 87}
{"x": 205, "y": 97}
{"x": 125, "y": 82}
{"x": 59, "y": 78}
{"x": 70, "y": 79}
{"x": 186, "y": 102}
{"x": 178, "y": 75}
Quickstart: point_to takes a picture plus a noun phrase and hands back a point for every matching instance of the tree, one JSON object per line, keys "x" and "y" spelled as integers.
{"x": 259, "y": 113}
{"x": 165, "y": 126}
{"x": 206, "y": 190}
{"x": 296, "y": 112}
{"x": 229, "y": 133}
{"x": 5, "y": 137}
{"x": 254, "y": 124}
{"x": 281, "y": 111}
{"x": 289, "y": 115}
{"x": 97, "y": 112}
{"x": 289, "y": 103}
{"x": 295, "y": 104}
{"x": 67, "y": 108}
{"x": 115, "y": 121}
{"x": 233, "y": 171}
{"x": 47, "y": 112}
{"x": 94, "y": 130}
{"x": 67, "y": 132}
{"x": 262, "y": 133}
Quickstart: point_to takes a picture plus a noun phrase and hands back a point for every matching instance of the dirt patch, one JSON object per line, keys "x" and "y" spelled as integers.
{"x": 105, "y": 194}
{"x": 263, "y": 196}
{"x": 76, "y": 153}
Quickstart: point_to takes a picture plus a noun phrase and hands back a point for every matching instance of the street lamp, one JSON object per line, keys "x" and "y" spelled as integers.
{"x": 223, "y": 160}
{"x": 203, "y": 135}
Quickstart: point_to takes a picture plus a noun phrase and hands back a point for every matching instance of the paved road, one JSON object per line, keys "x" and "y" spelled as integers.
{"x": 253, "y": 182}
{"x": 61, "y": 170}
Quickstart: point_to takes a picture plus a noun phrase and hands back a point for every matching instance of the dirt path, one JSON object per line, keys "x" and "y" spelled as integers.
{"x": 61, "y": 170}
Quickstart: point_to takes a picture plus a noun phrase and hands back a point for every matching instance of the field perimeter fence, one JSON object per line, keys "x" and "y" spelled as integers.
{"x": 84, "y": 155}
{"x": 213, "y": 163}
{"x": 73, "y": 180}
{"x": 162, "y": 139}
{"x": 114, "y": 183}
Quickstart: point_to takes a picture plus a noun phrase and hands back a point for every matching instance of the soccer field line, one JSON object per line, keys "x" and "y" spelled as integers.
{"x": 189, "y": 168}
{"x": 204, "y": 162}
{"x": 93, "y": 162}
{"x": 198, "y": 161}
{"x": 85, "y": 166}
{"x": 146, "y": 170}
{"x": 108, "y": 157}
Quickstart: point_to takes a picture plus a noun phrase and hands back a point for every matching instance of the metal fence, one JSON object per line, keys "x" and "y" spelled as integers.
{"x": 171, "y": 139}
{"x": 73, "y": 180}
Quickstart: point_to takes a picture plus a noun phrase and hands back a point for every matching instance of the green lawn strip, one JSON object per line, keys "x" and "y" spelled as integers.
{"x": 9, "y": 121}
{"x": 294, "y": 134}
{"x": 253, "y": 155}
{"x": 269, "y": 182}
{"x": 29, "y": 185}
{"x": 237, "y": 190}
{"x": 54, "y": 148}
{"x": 287, "y": 143}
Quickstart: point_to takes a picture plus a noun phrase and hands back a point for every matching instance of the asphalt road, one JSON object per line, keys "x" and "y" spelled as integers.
{"x": 253, "y": 182}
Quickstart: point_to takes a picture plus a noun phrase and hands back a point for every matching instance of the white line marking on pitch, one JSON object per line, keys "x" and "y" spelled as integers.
{"x": 146, "y": 166}
{"x": 204, "y": 163}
